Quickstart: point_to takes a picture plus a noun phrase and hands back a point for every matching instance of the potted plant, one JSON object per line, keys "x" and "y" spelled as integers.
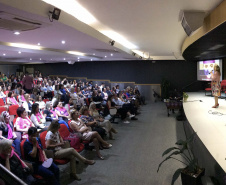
{"x": 192, "y": 173}
{"x": 185, "y": 96}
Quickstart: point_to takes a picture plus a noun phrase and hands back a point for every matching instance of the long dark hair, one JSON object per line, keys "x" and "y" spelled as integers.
{"x": 34, "y": 107}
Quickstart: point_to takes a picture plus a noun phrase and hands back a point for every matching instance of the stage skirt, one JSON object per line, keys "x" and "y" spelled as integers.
{"x": 216, "y": 88}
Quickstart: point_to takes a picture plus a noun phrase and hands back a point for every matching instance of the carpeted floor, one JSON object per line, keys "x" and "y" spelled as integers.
{"x": 136, "y": 152}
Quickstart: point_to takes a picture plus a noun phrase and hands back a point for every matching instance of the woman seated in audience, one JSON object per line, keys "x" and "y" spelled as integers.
{"x": 34, "y": 94}
{"x": 10, "y": 159}
{"x": 106, "y": 124}
{"x": 121, "y": 111}
{"x": 77, "y": 125}
{"x": 62, "y": 113}
{"x": 34, "y": 153}
{"x": 41, "y": 103}
{"x": 79, "y": 93}
{"x": 2, "y": 95}
{"x": 76, "y": 99}
{"x": 11, "y": 100}
{"x": 50, "y": 114}
{"x": 90, "y": 121}
{"x": 6, "y": 131}
{"x": 105, "y": 94}
{"x": 8, "y": 90}
{"x": 27, "y": 104}
{"x": 37, "y": 117}
{"x": 23, "y": 123}
{"x": 96, "y": 97}
{"x": 21, "y": 98}
{"x": 68, "y": 105}
{"x": 55, "y": 142}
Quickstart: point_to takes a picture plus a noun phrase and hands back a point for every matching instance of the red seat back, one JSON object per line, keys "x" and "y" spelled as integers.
{"x": 42, "y": 139}
{"x": 13, "y": 109}
{"x": 2, "y": 109}
{"x": 2, "y": 102}
{"x": 45, "y": 100}
{"x": 64, "y": 132}
{"x": 22, "y": 148}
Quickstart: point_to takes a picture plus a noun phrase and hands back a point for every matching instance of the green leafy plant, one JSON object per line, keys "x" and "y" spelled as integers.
{"x": 183, "y": 148}
{"x": 185, "y": 95}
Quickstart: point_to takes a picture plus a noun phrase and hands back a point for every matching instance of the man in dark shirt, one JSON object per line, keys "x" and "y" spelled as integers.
{"x": 33, "y": 152}
{"x": 28, "y": 83}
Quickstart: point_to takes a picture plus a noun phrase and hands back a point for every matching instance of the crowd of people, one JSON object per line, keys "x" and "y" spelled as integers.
{"x": 44, "y": 104}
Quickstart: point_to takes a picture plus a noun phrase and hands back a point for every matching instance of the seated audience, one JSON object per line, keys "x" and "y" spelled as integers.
{"x": 77, "y": 125}
{"x": 27, "y": 104}
{"x": 90, "y": 121}
{"x": 21, "y": 98}
{"x": 55, "y": 142}
{"x": 2, "y": 95}
{"x": 23, "y": 123}
{"x": 62, "y": 113}
{"x": 50, "y": 114}
{"x": 34, "y": 153}
{"x": 106, "y": 124}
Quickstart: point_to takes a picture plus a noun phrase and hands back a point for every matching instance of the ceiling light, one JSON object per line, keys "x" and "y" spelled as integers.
{"x": 105, "y": 56}
{"x": 111, "y": 54}
{"x": 75, "y": 9}
{"x": 91, "y": 59}
{"x": 93, "y": 53}
{"x": 75, "y": 53}
{"x": 63, "y": 41}
{"x": 40, "y": 59}
{"x": 38, "y": 44}
{"x": 51, "y": 59}
{"x": 19, "y": 52}
{"x": 3, "y": 54}
{"x": 119, "y": 38}
{"x": 64, "y": 59}
{"x": 30, "y": 58}
{"x": 17, "y": 33}
{"x": 78, "y": 57}
{"x": 78, "y": 60}
{"x": 26, "y": 46}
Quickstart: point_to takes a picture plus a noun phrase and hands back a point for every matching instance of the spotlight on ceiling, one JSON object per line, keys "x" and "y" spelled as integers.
{"x": 112, "y": 42}
{"x": 140, "y": 57}
{"x": 55, "y": 14}
{"x": 71, "y": 62}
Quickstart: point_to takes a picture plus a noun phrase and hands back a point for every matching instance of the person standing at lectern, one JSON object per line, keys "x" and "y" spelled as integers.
{"x": 215, "y": 84}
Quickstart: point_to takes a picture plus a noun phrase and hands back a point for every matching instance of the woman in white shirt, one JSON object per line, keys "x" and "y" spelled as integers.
{"x": 41, "y": 103}
{"x": 37, "y": 117}
{"x": 2, "y": 95}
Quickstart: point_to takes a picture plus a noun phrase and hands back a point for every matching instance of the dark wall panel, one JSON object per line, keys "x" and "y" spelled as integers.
{"x": 179, "y": 73}
{"x": 8, "y": 69}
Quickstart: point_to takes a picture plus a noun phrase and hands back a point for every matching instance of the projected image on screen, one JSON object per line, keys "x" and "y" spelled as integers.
{"x": 205, "y": 67}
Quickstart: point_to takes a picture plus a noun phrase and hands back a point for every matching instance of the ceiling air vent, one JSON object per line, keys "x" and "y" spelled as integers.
{"x": 16, "y": 23}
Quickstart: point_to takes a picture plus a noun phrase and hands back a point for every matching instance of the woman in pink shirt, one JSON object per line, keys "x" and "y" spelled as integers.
{"x": 61, "y": 111}
{"x": 11, "y": 100}
{"x": 23, "y": 123}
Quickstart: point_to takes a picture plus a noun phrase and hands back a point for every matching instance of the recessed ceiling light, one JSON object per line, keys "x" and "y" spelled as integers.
{"x": 105, "y": 56}
{"x": 19, "y": 52}
{"x": 38, "y": 44}
{"x": 3, "y": 54}
{"x": 40, "y": 59}
{"x": 93, "y": 53}
{"x": 63, "y": 41}
{"x": 91, "y": 59}
{"x": 111, "y": 54}
{"x": 17, "y": 33}
{"x": 30, "y": 58}
{"x": 78, "y": 58}
{"x": 64, "y": 58}
{"x": 51, "y": 59}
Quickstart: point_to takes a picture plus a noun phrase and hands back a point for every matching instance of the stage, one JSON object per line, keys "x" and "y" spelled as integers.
{"x": 210, "y": 128}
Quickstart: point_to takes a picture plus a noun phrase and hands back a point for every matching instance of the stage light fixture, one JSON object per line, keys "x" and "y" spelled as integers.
{"x": 55, "y": 14}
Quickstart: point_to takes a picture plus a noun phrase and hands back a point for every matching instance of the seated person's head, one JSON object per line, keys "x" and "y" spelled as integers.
{"x": 84, "y": 110}
{"x": 5, "y": 147}
{"x": 21, "y": 112}
{"x": 74, "y": 115}
{"x": 32, "y": 132}
{"x": 35, "y": 108}
{"x": 5, "y": 117}
{"x": 54, "y": 126}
